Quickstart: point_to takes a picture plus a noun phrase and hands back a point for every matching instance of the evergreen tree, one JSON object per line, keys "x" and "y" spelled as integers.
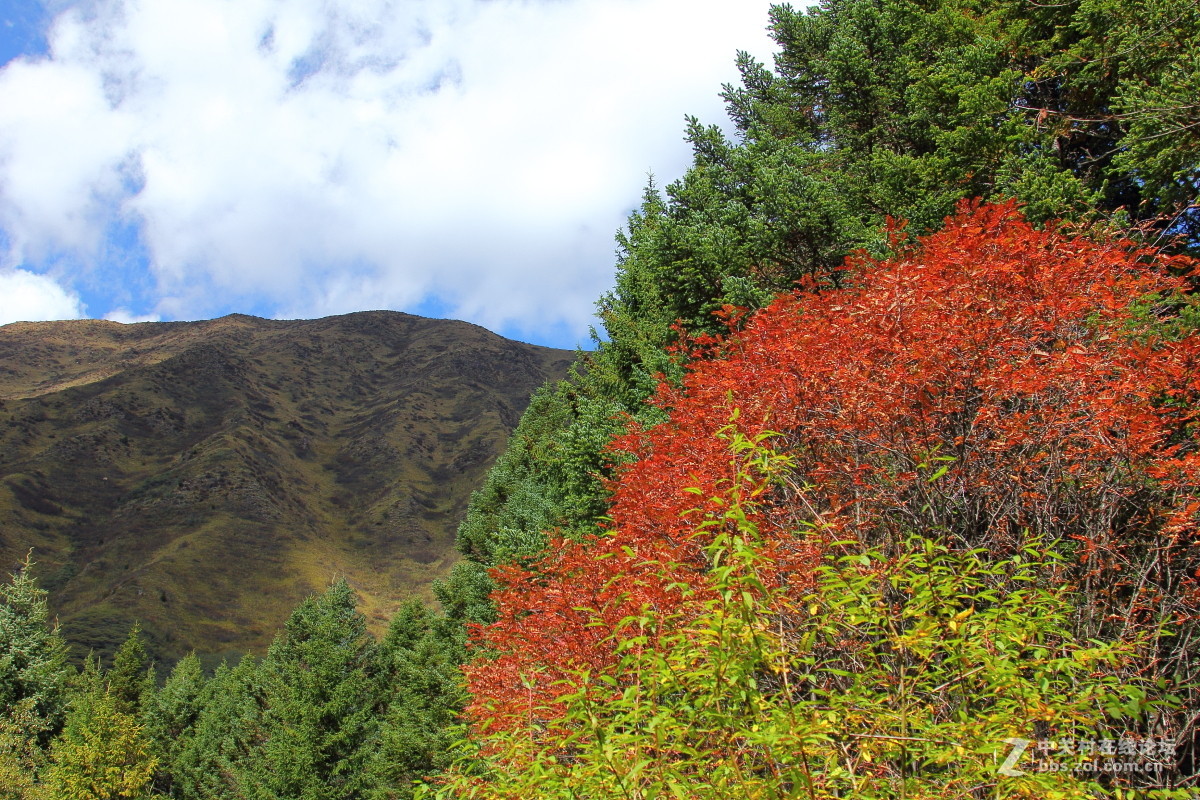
{"x": 420, "y": 657}
{"x": 321, "y": 695}
{"x": 131, "y": 675}
{"x": 103, "y": 753}
{"x": 33, "y": 665}
{"x": 21, "y": 758}
{"x": 217, "y": 761}
{"x": 1082, "y": 110}
{"x": 171, "y": 714}
{"x": 33, "y": 678}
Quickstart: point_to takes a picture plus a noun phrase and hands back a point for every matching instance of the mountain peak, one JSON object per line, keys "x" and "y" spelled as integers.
{"x": 202, "y": 477}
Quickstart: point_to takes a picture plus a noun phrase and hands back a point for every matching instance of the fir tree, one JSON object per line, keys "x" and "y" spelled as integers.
{"x": 322, "y": 695}
{"x": 131, "y": 675}
{"x": 420, "y": 658}
{"x": 33, "y": 665}
{"x": 171, "y": 714}
{"x": 217, "y": 761}
{"x": 33, "y": 678}
{"x": 103, "y": 753}
{"x": 873, "y": 109}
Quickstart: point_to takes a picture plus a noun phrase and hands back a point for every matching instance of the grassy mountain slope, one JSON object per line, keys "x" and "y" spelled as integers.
{"x": 203, "y": 477}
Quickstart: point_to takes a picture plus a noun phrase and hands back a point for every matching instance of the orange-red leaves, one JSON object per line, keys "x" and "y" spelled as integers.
{"x": 993, "y": 380}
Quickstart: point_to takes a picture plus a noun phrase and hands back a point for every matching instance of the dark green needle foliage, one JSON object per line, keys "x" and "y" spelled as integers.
{"x": 419, "y": 660}
{"x": 33, "y": 682}
{"x": 131, "y": 676}
{"x": 1083, "y": 110}
{"x": 216, "y": 759}
{"x": 322, "y": 697}
{"x": 170, "y": 715}
{"x": 33, "y": 666}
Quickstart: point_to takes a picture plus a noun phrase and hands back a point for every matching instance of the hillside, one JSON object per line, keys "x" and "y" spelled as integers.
{"x": 203, "y": 477}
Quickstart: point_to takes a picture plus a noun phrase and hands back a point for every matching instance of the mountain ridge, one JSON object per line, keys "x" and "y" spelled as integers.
{"x": 202, "y": 477}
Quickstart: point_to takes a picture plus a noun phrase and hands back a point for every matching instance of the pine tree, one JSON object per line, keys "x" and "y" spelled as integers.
{"x": 131, "y": 675}
{"x": 218, "y": 761}
{"x": 171, "y": 714}
{"x": 33, "y": 678}
{"x": 322, "y": 695}
{"x": 103, "y": 753}
{"x": 872, "y": 109}
{"x": 1081, "y": 110}
{"x": 419, "y": 658}
{"x": 33, "y": 658}
{"x": 21, "y": 758}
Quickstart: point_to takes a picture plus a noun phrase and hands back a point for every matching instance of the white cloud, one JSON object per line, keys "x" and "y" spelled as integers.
{"x": 28, "y": 297}
{"x": 127, "y": 317}
{"x": 320, "y": 157}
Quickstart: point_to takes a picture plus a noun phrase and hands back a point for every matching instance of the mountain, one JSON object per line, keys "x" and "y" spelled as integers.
{"x": 203, "y": 477}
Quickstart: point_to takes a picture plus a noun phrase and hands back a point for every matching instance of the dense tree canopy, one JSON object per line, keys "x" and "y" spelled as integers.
{"x": 103, "y": 752}
{"x": 994, "y": 386}
{"x": 872, "y": 109}
{"x": 879, "y": 110}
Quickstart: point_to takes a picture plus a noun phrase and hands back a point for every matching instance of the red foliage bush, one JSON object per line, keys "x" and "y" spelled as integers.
{"x": 993, "y": 380}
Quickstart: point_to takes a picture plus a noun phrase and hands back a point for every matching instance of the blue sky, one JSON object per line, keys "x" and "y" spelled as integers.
{"x": 185, "y": 159}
